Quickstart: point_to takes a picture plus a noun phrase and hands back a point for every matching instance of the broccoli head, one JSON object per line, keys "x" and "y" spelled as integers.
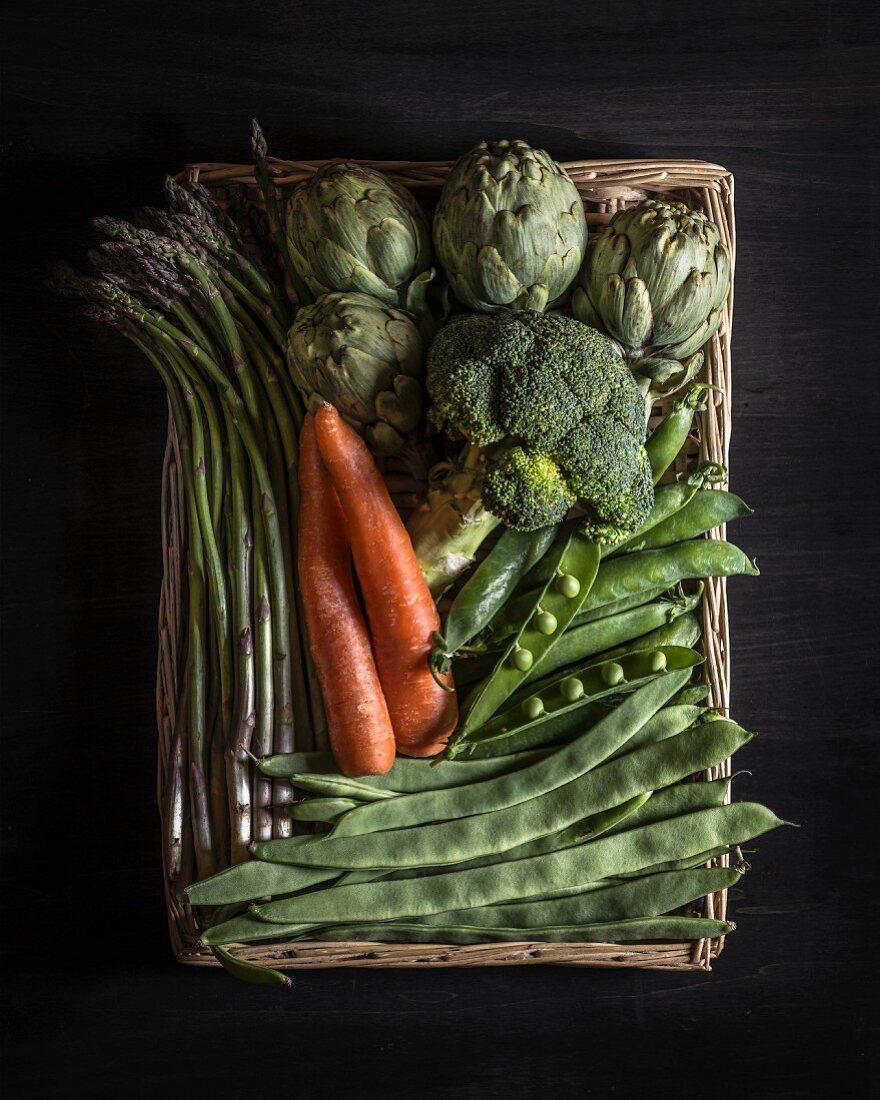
{"x": 557, "y": 413}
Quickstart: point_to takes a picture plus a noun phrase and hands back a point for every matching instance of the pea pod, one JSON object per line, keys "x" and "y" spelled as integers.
{"x": 254, "y": 879}
{"x": 554, "y": 770}
{"x": 653, "y": 928}
{"x": 580, "y": 642}
{"x": 320, "y": 809}
{"x": 487, "y": 590}
{"x": 454, "y": 841}
{"x": 551, "y": 702}
{"x": 667, "y": 439}
{"x": 706, "y": 510}
{"x": 684, "y": 630}
{"x": 557, "y": 604}
{"x": 620, "y": 854}
{"x": 630, "y": 574}
{"x": 407, "y": 775}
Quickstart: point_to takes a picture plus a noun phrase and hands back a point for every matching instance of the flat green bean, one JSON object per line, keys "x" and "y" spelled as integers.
{"x": 648, "y": 928}
{"x": 680, "y": 798}
{"x": 407, "y": 775}
{"x": 320, "y": 809}
{"x": 608, "y": 855}
{"x": 691, "y": 694}
{"x": 339, "y": 786}
{"x": 455, "y": 841}
{"x": 248, "y": 971}
{"x": 645, "y": 896}
{"x": 544, "y": 775}
{"x": 668, "y": 722}
{"x": 254, "y": 879}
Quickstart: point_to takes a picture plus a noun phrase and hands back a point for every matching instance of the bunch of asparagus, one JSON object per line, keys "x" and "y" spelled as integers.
{"x": 211, "y": 316}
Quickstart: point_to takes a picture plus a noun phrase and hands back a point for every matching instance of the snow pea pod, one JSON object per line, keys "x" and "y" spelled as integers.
{"x": 647, "y": 928}
{"x": 320, "y": 809}
{"x": 706, "y": 510}
{"x": 550, "y": 703}
{"x": 608, "y": 855}
{"x": 556, "y": 605}
{"x": 454, "y": 841}
{"x": 670, "y": 435}
{"x": 407, "y": 775}
{"x": 487, "y": 590}
{"x": 254, "y": 879}
{"x": 580, "y": 642}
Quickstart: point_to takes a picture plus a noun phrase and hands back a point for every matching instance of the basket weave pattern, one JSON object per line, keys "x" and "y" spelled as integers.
{"x": 605, "y": 187}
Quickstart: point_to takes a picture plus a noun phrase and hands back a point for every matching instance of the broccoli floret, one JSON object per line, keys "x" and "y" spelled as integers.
{"x": 555, "y": 418}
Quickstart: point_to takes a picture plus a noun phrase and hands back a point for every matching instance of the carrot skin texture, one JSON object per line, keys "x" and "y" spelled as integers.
{"x": 400, "y": 607}
{"x": 359, "y": 725}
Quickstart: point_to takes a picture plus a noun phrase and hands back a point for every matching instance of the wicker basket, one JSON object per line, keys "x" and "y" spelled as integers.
{"x": 605, "y": 186}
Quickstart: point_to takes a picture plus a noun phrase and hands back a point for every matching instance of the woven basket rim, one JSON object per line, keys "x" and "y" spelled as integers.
{"x": 605, "y": 185}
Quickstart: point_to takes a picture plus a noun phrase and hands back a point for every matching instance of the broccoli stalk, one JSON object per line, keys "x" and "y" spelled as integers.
{"x": 552, "y": 419}
{"x": 450, "y": 526}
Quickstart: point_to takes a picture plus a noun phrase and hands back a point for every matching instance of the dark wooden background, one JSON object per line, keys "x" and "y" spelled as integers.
{"x": 100, "y": 99}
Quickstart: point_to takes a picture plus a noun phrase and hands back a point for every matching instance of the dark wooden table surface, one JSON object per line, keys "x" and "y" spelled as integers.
{"x": 100, "y": 99}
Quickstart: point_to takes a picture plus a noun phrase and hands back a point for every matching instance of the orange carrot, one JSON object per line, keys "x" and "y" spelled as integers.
{"x": 361, "y": 734}
{"x": 399, "y": 605}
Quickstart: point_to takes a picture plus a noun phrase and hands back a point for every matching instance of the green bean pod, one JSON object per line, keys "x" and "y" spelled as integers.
{"x": 408, "y": 775}
{"x": 668, "y": 722}
{"x": 648, "y": 928}
{"x": 645, "y": 896}
{"x": 567, "y": 692}
{"x": 620, "y": 854}
{"x": 557, "y": 604}
{"x": 339, "y": 786}
{"x": 672, "y": 801}
{"x": 554, "y": 770}
{"x": 691, "y": 694}
{"x": 486, "y": 591}
{"x": 254, "y": 879}
{"x": 320, "y": 809}
{"x": 670, "y": 435}
{"x": 454, "y": 841}
{"x": 248, "y": 971}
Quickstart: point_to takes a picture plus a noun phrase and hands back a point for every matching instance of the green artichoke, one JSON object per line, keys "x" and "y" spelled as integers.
{"x": 656, "y": 280}
{"x": 351, "y": 228}
{"x": 509, "y": 229}
{"x": 364, "y": 357}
